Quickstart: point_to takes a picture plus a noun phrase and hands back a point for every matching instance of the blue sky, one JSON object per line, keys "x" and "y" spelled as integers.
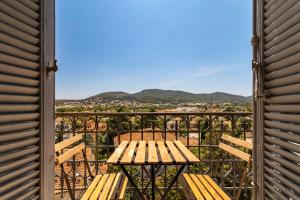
{"x": 199, "y": 46}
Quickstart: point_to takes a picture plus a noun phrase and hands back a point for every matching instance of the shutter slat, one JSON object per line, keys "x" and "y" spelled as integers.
{"x": 18, "y": 172}
{"x": 294, "y": 59}
{"x": 282, "y": 45}
{"x": 30, "y": 194}
{"x": 281, "y": 143}
{"x": 12, "y": 89}
{"x": 18, "y": 61}
{"x": 283, "y": 27}
{"x": 21, "y": 144}
{"x": 18, "y": 15}
{"x": 19, "y": 71}
{"x": 18, "y": 126}
{"x": 283, "y": 171}
{"x": 30, "y": 4}
{"x": 283, "y": 126}
{"x": 286, "y": 154}
{"x": 18, "y": 135}
{"x": 286, "y": 191}
{"x": 14, "y": 108}
{"x": 19, "y": 117}
{"x": 284, "y": 180}
{"x": 283, "y": 108}
{"x": 20, "y": 162}
{"x": 288, "y": 80}
{"x": 272, "y": 6}
{"x": 283, "y": 117}
{"x": 291, "y": 70}
{"x": 18, "y": 34}
{"x": 18, "y": 80}
{"x": 17, "y": 182}
{"x": 18, "y": 154}
{"x": 18, "y": 43}
{"x": 34, "y": 197}
{"x": 284, "y": 90}
{"x": 22, "y": 8}
{"x": 287, "y": 99}
{"x": 283, "y": 135}
{"x": 17, "y": 24}
{"x": 21, "y": 189}
{"x": 288, "y": 164}
{"x": 284, "y": 54}
{"x": 18, "y": 99}
{"x": 286, "y": 11}
{"x": 285, "y": 35}
{"x": 13, "y": 51}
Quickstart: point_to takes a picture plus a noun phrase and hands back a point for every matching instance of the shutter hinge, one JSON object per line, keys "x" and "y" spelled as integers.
{"x": 52, "y": 66}
{"x": 254, "y": 41}
{"x": 255, "y": 65}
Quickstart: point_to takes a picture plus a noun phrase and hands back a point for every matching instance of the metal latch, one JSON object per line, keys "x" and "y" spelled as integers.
{"x": 52, "y": 66}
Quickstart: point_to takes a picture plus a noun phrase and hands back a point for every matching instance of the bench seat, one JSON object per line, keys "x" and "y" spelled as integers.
{"x": 202, "y": 187}
{"x": 106, "y": 186}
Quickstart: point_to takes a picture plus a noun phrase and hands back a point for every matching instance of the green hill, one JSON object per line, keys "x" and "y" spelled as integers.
{"x": 167, "y": 96}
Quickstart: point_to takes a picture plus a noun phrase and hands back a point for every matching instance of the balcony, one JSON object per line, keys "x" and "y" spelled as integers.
{"x": 200, "y": 132}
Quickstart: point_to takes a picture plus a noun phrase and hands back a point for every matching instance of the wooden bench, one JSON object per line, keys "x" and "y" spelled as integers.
{"x": 202, "y": 187}
{"x": 107, "y": 186}
{"x": 104, "y": 187}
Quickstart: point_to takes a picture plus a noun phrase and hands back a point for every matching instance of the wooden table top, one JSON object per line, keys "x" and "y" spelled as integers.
{"x": 152, "y": 153}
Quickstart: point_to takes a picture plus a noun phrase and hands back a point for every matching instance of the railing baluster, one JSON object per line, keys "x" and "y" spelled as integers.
{"x": 97, "y": 143}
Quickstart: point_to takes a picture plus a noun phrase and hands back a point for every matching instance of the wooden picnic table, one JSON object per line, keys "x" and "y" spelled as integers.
{"x": 154, "y": 154}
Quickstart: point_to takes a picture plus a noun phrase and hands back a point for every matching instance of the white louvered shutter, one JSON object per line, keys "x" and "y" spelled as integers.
{"x": 280, "y": 80}
{"x": 22, "y": 97}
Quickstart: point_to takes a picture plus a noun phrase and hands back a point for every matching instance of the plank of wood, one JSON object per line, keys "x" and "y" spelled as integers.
{"x": 123, "y": 189}
{"x": 60, "y": 159}
{"x": 114, "y": 187}
{"x": 107, "y": 187}
{"x": 209, "y": 187}
{"x": 201, "y": 187}
{"x": 186, "y": 152}
{"x": 61, "y": 145}
{"x": 141, "y": 153}
{"x": 216, "y": 187}
{"x": 164, "y": 154}
{"x": 113, "y": 159}
{"x": 237, "y": 141}
{"x": 235, "y": 152}
{"x": 176, "y": 154}
{"x": 129, "y": 153}
{"x": 152, "y": 152}
{"x": 99, "y": 187}
{"x": 91, "y": 188}
{"x": 193, "y": 187}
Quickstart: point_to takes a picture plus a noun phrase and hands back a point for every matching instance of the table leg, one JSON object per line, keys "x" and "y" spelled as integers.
{"x": 149, "y": 176}
{"x": 153, "y": 182}
{"x": 132, "y": 182}
{"x": 173, "y": 182}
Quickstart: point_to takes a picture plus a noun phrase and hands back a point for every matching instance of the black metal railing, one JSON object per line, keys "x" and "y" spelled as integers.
{"x": 200, "y": 132}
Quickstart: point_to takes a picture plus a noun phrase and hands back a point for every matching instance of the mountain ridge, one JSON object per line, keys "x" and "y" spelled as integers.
{"x": 165, "y": 96}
